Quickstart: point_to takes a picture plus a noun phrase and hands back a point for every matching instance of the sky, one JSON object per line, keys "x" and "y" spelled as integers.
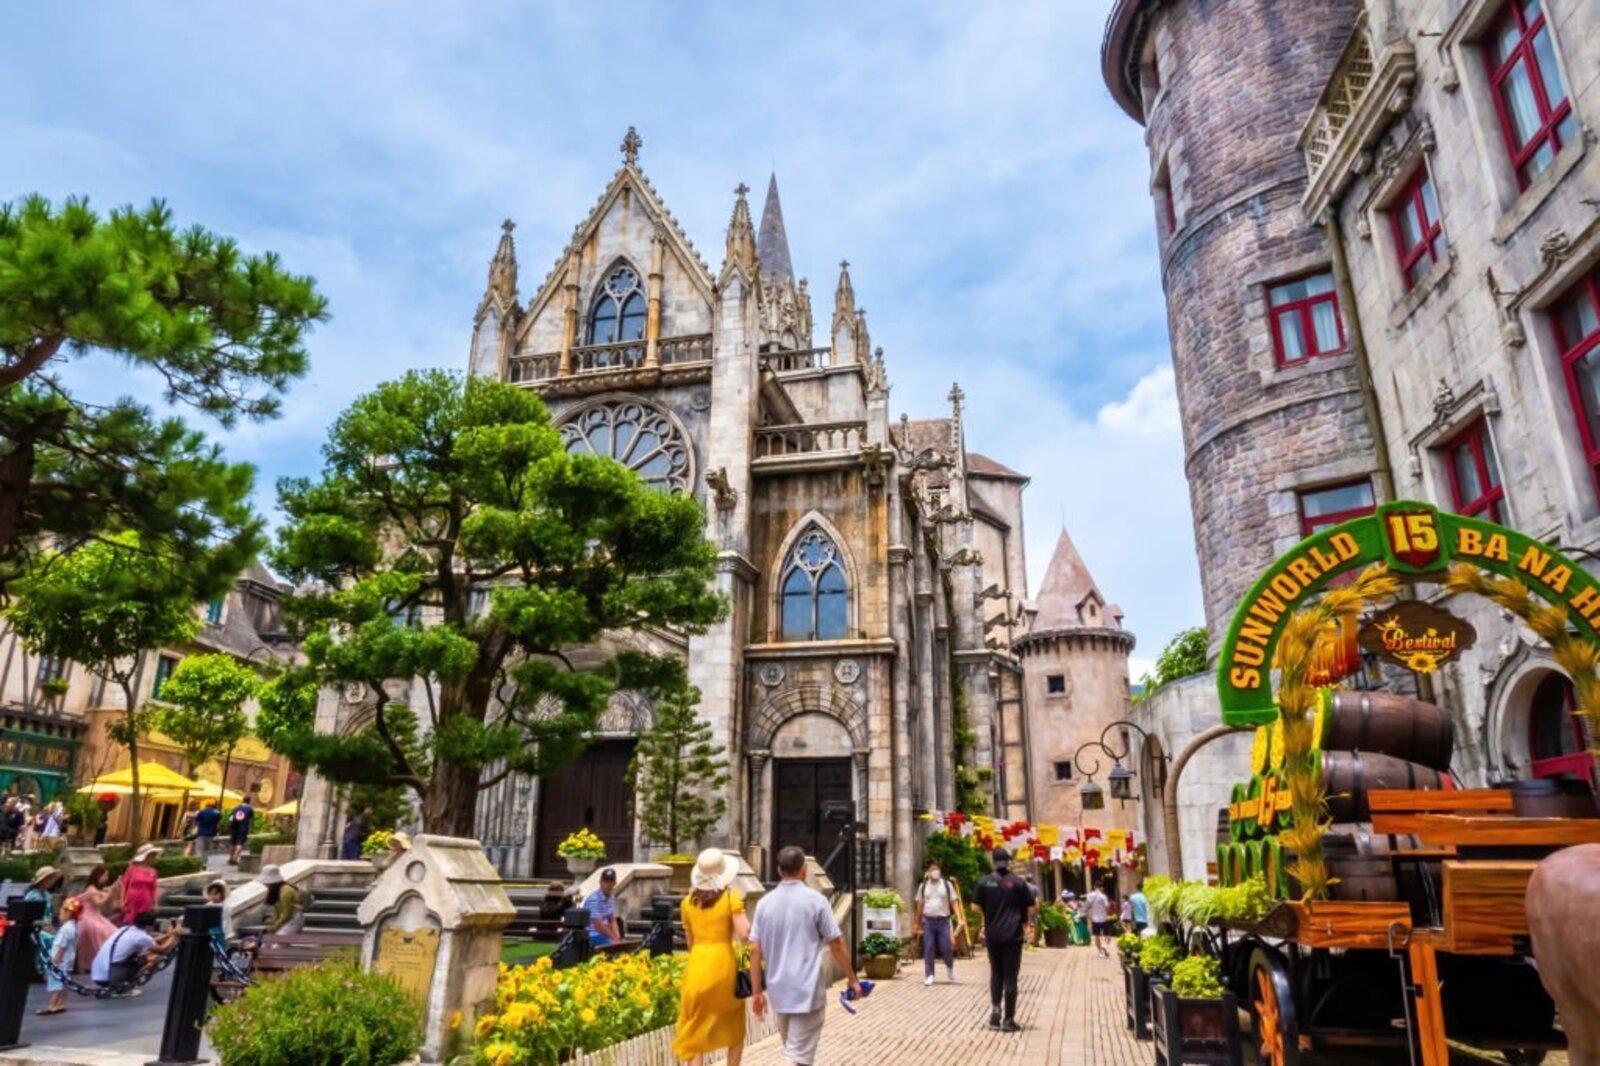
{"x": 966, "y": 158}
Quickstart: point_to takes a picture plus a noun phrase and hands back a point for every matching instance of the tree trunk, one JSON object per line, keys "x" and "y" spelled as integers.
{"x": 135, "y": 804}
{"x": 450, "y": 802}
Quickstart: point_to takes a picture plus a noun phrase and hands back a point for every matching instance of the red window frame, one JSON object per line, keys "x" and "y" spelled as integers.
{"x": 1573, "y": 350}
{"x": 1432, "y": 228}
{"x": 1310, "y": 525}
{"x": 1475, "y": 438}
{"x": 1549, "y": 118}
{"x": 1304, "y": 307}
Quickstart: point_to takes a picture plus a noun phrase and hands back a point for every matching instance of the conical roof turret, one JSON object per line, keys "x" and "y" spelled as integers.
{"x": 772, "y": 242}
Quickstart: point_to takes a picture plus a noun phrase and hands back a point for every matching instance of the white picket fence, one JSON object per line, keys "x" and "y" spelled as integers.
{"x": 655, "y": 1047}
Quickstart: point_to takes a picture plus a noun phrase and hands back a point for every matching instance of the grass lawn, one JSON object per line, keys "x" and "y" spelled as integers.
{"x": 515, "y": 951}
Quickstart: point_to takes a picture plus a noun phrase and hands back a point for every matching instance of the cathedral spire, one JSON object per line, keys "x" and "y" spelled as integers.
{"x": 843, "y": 332}
{"x": 772, "y": 247}
{"x": 741, "y": 233}
{"x": 503, "y": 267}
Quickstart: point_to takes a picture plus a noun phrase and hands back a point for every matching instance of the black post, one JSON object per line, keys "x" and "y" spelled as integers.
{"x": 658, "y": 941}
{"x": 575, "y": 947}
{"x": 191, "y": 984}
{"x": 16, "y": 967}
{"x": 855, "y": 898}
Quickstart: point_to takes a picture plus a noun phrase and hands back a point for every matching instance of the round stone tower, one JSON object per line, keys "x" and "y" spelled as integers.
{"x": 1224, "y": 89}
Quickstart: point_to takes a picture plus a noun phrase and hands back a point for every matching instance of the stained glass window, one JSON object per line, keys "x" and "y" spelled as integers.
{"x": 816, "y": 597}
{"x": 619, "y": 309}
{"x": 638, "y": 436}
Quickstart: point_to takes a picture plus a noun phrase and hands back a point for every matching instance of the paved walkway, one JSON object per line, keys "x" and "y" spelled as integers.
{"x": 1069, "y": 1007}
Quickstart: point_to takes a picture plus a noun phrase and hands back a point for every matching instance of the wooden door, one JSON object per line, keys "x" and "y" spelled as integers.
{"x": 802, "y": 789}
{"x": 591, "y": 792}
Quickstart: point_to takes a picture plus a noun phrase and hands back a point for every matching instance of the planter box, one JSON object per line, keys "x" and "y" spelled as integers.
{"x": 880, "y": 920}
{"x": 1057, "y": 938}
{"x": 1203, "y": 1031}
{"x": 1136, "y": 1000}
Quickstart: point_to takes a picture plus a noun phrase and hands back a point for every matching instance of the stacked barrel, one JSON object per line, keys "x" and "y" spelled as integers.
{"x": 1361, "y": 741}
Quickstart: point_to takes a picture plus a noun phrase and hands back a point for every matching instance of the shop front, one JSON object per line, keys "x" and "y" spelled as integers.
{"x": 35, "y": 763}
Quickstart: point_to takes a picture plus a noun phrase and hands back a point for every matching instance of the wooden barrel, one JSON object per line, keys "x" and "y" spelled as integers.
{"x": 1350, "y": 775}
{"x": 1359, "y": 862}
{"x": 1387, "y": 724}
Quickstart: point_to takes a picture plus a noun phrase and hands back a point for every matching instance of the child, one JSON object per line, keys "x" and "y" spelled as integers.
{"x": 63, "y": 955}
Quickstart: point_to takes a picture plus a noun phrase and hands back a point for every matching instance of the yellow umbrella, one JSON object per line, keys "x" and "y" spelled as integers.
{"x": 153, "y": 777}
{"x": 209, "y": 790}
{"x": 285, "y": 810}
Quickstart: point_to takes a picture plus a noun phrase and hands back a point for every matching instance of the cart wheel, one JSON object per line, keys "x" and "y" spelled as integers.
{"x": 1523, "y": 1057}
{"x": 1272, "y": 1010}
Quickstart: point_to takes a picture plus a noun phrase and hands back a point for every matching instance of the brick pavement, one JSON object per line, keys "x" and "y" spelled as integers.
{"x": 1070, "y": 1008}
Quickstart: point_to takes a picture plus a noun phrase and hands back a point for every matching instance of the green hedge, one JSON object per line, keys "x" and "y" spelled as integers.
{"x": 318, "y": 1016}
{"x": 21, "y": 867}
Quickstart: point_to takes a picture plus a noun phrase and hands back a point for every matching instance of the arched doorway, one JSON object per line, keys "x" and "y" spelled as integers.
{"x": 1556, "y": 742}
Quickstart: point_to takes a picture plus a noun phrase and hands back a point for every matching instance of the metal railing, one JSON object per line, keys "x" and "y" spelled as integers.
{"x": 808, "y": 439}
{"x": 1340, "y": 99}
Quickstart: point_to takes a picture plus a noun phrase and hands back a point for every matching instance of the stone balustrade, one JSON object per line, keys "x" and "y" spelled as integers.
{"x": 803, "y": 359}
{"x": 772, "y": 441}
{"x": 689, "y": 350}
{"x": 677, "y": 351}
{"x": 523, "y": 369}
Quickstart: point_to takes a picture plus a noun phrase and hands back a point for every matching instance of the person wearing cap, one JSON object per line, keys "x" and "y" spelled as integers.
{"x": 63, "y": 956}
{"x": 1008, "y": 911}
{"x": 794, "y": 925}
{"x": 710, "y": 1016}
{"x": 139, "y": 883}
{"x": 131, "y": 950}
{"x": 602, "y": 907}
{"x": 284, "y": 899}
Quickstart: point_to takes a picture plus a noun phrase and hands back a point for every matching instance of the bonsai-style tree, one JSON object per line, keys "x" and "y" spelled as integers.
{"x": 221, "y": 330}
{"x": 1185, "y": 654}
{"x": 201, "y": 707}
{"x": 678, "y": 773}
{"x": 104, "y": 606}
{"x": 452, "y": 544}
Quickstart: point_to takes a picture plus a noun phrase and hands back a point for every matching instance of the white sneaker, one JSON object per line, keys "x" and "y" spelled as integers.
{"x": 950, "y": 972}
{"x": 928, "y": 981}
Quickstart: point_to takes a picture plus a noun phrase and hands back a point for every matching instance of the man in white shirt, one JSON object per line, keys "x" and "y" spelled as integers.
{"x": 931, "y": 918}
{"x": 129, "y": 950}
{"x": 1099, "y": 917}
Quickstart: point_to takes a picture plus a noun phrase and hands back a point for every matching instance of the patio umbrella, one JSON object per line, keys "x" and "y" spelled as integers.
{"x": 210, "y": 790}
{"x": 285, "y": 810}
{"x": 153, "y": 777}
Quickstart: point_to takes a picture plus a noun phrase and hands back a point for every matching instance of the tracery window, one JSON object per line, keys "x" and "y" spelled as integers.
{"x": 815, "y": 594}
{"x": 618, "y": 313}
{"x": 636, "y": 435}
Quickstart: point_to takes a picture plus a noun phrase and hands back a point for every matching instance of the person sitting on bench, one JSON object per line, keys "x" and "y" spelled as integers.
{"x": 602, "y": 907}
{"x": 128, "y": 951}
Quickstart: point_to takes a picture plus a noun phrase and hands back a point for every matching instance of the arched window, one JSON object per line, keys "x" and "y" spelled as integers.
{"x": 1555, "y": 735}
{"x": 636, "y": 435}
{"x": 815, "y": 595}
{"x": 619, "y": 309}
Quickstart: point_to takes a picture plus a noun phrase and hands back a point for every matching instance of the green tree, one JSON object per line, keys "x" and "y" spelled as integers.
{"x": 456, "y": 503}
{"x": 201, "y": 706}
{"x": 1184, "y": 655}
{"x": 678, "y": 772}
{"x": 221, "y": 331}
{"x": 104, "y": 606}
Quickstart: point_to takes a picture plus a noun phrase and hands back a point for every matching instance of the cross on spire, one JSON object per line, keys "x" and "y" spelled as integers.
{"x": 956, "y": 396}
{"x": 631, "y": 143}
{"x": 740, "y": 190}
{"x": 844, "y": 264}
{"x": 507, "y": 226}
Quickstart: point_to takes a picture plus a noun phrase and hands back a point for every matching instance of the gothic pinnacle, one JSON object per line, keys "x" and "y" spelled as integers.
{"x": 631, "y": 143}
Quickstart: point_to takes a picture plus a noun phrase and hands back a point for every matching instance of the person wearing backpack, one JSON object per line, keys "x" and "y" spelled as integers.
{"x": 935, "y": 909}
{"x": 1008, "y": 915}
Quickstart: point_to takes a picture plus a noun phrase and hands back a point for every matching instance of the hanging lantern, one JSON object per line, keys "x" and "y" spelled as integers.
{"x": 1093, "y": 797}
{"x": 1121, "y": 783}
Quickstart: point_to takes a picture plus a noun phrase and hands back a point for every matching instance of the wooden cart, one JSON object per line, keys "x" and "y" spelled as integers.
{"x": 1457, "y": 963}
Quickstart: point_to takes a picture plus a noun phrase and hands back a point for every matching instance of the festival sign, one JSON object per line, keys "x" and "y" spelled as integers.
{"x": 1409, "y": 538}
{"x": 1417, "y": 636}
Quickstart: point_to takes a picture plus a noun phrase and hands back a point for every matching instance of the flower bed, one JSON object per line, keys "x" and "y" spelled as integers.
{"x": 545, "y": 1016}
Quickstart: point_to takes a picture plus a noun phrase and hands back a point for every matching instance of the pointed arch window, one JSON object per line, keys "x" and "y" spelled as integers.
{"x": 618, "y": 313}
{"x": 815, "y": 593}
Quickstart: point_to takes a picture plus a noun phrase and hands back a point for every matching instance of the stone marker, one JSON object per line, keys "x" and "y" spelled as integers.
{"x": 432, "y": 921}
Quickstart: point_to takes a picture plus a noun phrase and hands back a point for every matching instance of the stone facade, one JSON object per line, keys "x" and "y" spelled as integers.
{"x": 782, "y": 428}
{"x": 1323, "y": 117}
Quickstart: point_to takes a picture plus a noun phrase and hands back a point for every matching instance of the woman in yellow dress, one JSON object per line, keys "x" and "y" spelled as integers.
{"x": 709, "y": 1015}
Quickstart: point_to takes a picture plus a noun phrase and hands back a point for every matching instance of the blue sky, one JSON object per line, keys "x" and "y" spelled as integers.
{"x": 967, "y": 159}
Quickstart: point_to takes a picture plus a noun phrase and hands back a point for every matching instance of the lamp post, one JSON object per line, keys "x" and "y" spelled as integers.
{"x": 1091, "y": 796}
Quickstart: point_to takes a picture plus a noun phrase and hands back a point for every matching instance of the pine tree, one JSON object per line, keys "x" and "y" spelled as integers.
{"x": 679, "y": 773}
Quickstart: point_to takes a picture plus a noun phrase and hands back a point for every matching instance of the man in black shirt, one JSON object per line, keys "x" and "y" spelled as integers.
{"x": 1008, "y": 912}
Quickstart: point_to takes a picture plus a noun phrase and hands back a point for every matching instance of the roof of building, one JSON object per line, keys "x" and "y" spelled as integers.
{"x": 981, "y": 465}
{"x": 1067, "y": 583}
{"x": 1119, "y": 65}
{"x": 772, "y": 242}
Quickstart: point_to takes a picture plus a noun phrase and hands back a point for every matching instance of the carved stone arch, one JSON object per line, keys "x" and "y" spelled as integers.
{"x": 822, "y": 698}
{"x": 1507, "y": 706}
{"x": 680, "y": 479}
{"x": 775, "y": 572}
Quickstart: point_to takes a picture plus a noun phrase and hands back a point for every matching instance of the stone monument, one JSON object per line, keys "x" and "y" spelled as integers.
{"x": 432, "y": 921}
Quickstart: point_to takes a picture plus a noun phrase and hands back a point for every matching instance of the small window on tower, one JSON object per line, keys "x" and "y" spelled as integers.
{"x": 1064, "y": 770}
{"x": 1056, "y": 684}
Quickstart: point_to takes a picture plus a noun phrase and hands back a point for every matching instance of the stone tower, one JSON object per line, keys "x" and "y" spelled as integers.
{"x": 1223, "y": 90}
{"x": 1075, "y": 683}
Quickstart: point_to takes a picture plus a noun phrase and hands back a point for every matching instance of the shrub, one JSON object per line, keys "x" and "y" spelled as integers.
{"x": 544, "y": 1016}
{"x": 959, "y": 858}
{"x": 1053, "y": 916}
{"x": 268, "y": 838}
{"x": 1158, "y": 954}
{"x": 1197, "y": 977}
{"x": 883, "y": 899}
{"x": 1129, "y": 945}
{"x": 324, "y": 1015}
{"x": 880, "y": 944}
{"x": 376, "y": 842}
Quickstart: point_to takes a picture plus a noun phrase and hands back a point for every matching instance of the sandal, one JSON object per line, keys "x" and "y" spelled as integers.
{"x": 46, "y": 1010}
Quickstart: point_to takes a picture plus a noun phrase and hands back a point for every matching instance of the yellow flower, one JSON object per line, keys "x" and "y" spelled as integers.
{"x": 485, "y": 1025}
{"x": 455, "y": 1021}
{"x": 587, "y": 1016}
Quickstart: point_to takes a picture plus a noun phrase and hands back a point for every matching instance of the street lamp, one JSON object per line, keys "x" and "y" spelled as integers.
{"x": 1091, "y": 795}
{"x": 1121, "y": 778}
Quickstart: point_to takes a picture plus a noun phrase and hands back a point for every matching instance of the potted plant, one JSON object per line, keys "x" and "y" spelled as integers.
{"x": 680, "y": 776}
{"x": 376, "y": 850}
{"x": 1196, "y": 1020}
{"x": 880, "y": 954}
{"x": 880, "y": 911}
{"x": 1135, "y": 985}
{"x": 583, "y": 852}
{"x": 1055, "y": 924}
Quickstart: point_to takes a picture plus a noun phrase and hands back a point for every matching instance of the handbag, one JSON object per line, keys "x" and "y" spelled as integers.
{"x": 741, "y": 984}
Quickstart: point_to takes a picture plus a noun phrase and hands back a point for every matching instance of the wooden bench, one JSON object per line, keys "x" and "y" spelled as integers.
{"x": 281, "y": 952}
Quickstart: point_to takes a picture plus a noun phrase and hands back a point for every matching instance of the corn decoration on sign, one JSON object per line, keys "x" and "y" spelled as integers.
{"x": 1404, "y": 538}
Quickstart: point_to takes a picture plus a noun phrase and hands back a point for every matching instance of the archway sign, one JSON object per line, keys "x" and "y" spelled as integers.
{"x": 1410, "y": 538}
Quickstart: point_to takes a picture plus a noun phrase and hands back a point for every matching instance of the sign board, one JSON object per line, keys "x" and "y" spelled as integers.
{"x": 1417, "y": 635}
{"x": 1409, "y": 538}
{"x": 407, "y": 956}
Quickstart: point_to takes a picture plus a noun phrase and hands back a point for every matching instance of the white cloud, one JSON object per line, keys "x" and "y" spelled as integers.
{"x": 1151, "y": 408}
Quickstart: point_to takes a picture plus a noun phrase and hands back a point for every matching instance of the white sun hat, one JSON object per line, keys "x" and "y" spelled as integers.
{"x": 713, "y": 871}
